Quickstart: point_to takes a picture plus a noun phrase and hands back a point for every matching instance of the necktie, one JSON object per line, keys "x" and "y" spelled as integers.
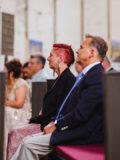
{"x": 79, "y": 77}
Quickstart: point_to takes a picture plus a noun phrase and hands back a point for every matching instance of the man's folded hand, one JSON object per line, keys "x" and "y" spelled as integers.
{"x": 51, "y": 127}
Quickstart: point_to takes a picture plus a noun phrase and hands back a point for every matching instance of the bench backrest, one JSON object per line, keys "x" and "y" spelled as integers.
{"x": 38, "y": 91}
{"x": 112, "y": 115}
{"x": 2, "y": 97}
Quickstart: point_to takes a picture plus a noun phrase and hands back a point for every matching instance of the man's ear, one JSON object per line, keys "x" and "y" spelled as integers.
{"x": 92, "y": 53}
{"x": 40, "y": 66}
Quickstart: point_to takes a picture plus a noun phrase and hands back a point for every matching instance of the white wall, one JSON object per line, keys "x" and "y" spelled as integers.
{"x": 115, "y": 20}
{"x": 19, "y": 43}
{"x": 96, "y": 17}
{"x": 68, "y": 22}
{"x": 7, "y": 7}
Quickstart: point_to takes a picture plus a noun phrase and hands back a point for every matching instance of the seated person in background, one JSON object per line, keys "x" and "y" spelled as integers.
{"x": 36, "y": 65}
{"x": 18, "y": 105}
{"x": 107, "y": 65}
{"x": 82, "y": 109}
{"x": 78, "y": 67}
{"x": 27, "y": 74}
{"x": 60, "y": 59}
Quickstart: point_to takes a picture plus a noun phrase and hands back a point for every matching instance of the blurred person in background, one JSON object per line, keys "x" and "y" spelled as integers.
{"x": 17, "y": 101}
{"x": 36, "y": 65}
{"x": 27, "y": 74}
{"x": 107, "y": 65}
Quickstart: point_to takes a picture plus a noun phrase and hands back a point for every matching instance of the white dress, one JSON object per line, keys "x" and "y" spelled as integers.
{"x": 14, "y": 117}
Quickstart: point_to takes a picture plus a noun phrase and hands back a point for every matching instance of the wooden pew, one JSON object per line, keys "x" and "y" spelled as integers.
{"x": 81, "y": 152}
{"x": 2, "y": 97}
{"x": 112, "y": 115}
{"x": 38, "y": 91}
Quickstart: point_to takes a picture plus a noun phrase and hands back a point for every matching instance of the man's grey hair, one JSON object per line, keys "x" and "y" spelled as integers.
{"x": 40, "y": 59}
{"x": 100, "y": 44}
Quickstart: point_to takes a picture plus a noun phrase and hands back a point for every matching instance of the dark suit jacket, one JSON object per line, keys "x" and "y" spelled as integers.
{"x": 82, "y": 122}
{"x": 54, "y": 97}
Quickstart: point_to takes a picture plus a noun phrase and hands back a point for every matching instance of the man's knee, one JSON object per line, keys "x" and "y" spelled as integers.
{"x": 25, "y": 143}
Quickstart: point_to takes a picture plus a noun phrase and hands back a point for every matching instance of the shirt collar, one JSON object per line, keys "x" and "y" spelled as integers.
{"x": 37, "y": 74}
{"x": 86, "y": 69}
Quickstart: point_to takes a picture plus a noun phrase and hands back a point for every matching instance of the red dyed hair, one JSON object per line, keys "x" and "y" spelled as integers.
{"x": 68, "y": 53}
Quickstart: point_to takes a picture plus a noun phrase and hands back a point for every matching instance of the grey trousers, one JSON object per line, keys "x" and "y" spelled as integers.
{"x": 33, "y": 147}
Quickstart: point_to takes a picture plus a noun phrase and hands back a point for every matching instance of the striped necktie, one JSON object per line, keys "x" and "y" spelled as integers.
{"x": 78, "y": 79}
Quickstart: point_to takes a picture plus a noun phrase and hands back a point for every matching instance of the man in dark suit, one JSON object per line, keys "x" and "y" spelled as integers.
{"x": 82, "y": 111}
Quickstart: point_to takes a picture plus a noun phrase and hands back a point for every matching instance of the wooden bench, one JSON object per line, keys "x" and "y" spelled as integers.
{"x": 38, "y": 91}
{"x": 2, "y": 97}
{"x": 112, "y": 115}
{"x": 81, "y": 152}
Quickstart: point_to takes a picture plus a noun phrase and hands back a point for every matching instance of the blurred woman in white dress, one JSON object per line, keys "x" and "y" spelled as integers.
{"x": 18, "y": 99}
